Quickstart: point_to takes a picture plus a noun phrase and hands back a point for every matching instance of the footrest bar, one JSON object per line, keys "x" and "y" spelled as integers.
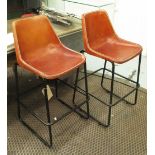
{"x": 33, "y": 114}
{"x": 72, "y": 87}
{"x": 120, "y": 75}
{"x": 95, "y": 119}
{"x": 35, "y": 133}
{"x": 121, "y": 82}
{"x": 89, "y": 74}
{"x": 38, "y": 118}
{"x": 94, "y": 97}
{"x": 30, "y": 89}
{"x": 73, "y": 108}
{"x": 116, "y": 81}
{"x": 93, "y": 73}
{"x": 60, "y": 118}
{"x": 121, "y": 98}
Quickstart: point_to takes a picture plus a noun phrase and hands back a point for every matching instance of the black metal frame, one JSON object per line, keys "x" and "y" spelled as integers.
{"x": 110, "y": 104}
{"x": 49, "y": 122}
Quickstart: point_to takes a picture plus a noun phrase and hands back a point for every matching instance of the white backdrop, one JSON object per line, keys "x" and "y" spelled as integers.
{"x": 130, "y": 21}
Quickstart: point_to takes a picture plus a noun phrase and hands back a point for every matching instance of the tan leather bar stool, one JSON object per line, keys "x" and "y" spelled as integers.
{"x": 100, "y": 40}
{"x": 39, "y": 50}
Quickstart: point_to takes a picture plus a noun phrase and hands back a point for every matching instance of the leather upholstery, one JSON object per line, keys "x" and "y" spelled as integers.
{"x": 101, "y": 40}
{"x": 28, "y": 15}
{"x": 39, "y": 50}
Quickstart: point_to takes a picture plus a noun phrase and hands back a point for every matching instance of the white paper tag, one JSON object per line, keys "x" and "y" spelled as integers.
{"x": 49, "y": 92}
{"x": 55, "y": 118}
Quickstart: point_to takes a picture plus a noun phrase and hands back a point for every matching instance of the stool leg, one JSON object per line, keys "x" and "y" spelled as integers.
{"x": 48, "y": 112}
{"x": 86, "y": 88}
{"x": 137, "y": 82}
{"x": 103, "y": 72}
{"x": 15, "y": 69}
{"x": 75, "y": 86}
{"x": 111, "y": 94}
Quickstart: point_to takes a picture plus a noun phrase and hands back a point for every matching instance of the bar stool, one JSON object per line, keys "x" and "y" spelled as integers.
{"x": 39, "y": 50}
{"x": 100, "y": 40}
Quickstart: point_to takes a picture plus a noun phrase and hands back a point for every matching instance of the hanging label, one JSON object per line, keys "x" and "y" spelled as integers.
{"x": 49, "y": 92}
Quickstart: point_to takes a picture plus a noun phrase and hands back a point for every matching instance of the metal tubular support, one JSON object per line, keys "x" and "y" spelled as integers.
{"x": 81, "y": 91}
{"x": 89, "y": 74}
{"x": 19, "y": 112}
{"x": 103, "y": 76}
{"x": 48, "y": 112}
{"x": 75, "y": 86}
{"x": 86, "y": 86}
{"x": 103, "y": 72}
{"x": 76, "y": 107}
{"x": 110, "y": 101}
{"x": 137, "y": 82}
{"x": 15, "y": 69}
{"x": 135, "y": 89}
{"x": 111, "y": 94}
{"x": 86, "y": 89}
{"x": 121, "y": 76}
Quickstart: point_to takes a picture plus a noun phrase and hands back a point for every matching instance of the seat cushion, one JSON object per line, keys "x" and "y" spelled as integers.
{"x": 115, "y": 50}
{"x": 54, "y": 62}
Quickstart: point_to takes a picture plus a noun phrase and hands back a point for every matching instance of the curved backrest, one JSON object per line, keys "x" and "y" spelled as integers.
{"x": 96, "y": 27}
{"x": 31, "y": 35}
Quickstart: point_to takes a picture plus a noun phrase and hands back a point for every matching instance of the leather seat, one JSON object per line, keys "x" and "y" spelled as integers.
{"x": 101, "y": 40}
{"x": 43, "y": 53}
{"x": 28, "y": 15}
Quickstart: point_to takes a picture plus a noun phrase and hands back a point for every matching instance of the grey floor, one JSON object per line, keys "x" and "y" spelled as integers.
{"x": 74, "y": 135}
